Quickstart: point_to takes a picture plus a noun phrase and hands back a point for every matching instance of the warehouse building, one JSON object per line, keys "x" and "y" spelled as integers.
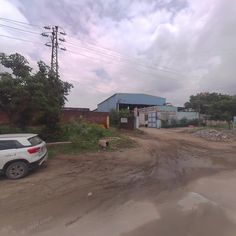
{"x": 157, "y": 116}
{"x": 129, "y": 100}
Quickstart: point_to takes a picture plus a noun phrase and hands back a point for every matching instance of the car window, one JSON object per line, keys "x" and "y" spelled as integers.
{"x": 36, "y": 140}
{"x": 9, "y": 144}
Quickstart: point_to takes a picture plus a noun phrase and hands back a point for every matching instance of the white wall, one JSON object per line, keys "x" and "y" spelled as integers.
{"x": 189, "y": 115}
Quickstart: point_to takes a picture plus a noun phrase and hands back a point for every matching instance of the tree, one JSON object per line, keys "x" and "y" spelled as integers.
{"x": 27, "y": 97}
{"x": 17, "y": 63}
{"x": 223, "y": 110}
{"x": 54, "y": 98}
{"x": 202, "y": 101}
{"x": 217, "y": 106}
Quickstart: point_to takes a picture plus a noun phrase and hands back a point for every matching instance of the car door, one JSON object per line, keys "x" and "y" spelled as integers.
{"x": 7, "y": 151}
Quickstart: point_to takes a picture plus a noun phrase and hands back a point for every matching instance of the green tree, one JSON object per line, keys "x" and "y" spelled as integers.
{"x": 202, "y": 101}
{"x": 54, "y": 98}
{"x": 217, "y": 106}
{"x": 224, "y": 109}
{"x": 28, "y": 97}
{"x": 17, "y": 63}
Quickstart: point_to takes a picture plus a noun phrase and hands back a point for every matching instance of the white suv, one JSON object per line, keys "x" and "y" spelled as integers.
{"x": 19, "y": 153}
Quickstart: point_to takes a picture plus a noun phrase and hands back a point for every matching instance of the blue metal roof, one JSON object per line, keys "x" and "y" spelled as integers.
{"x": 136, "y": 98}
{"x": 131, "y": 99}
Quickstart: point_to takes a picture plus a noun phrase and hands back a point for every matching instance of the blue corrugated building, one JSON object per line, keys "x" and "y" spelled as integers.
{"x": 129, "y": 100}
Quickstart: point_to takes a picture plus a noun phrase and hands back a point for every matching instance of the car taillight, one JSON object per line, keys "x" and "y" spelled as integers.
{"x": 33, "y": 150}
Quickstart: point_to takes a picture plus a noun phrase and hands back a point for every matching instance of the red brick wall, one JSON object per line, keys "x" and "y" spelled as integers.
{"x": 101, "y": 118}
{"x": 3, "y": 118}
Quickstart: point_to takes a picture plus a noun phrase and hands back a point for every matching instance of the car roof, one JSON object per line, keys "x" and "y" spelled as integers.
{"x": 11, "y": 136}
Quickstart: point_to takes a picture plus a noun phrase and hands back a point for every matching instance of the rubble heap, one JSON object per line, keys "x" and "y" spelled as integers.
{"x": 213, "y": 135}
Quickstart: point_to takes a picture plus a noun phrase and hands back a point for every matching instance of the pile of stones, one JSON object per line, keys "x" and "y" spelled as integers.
{"x": 213, "y": 135}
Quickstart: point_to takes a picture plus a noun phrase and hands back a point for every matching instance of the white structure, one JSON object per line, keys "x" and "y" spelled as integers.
{"x": 189, "y": 115}
{"x": 156, "y": 116}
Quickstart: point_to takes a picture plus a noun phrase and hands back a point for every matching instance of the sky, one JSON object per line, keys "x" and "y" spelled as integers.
{"x": 167, "y": 48}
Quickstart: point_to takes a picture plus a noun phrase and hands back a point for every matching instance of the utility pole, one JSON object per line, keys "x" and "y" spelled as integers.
{"x": 54, "y": 53}
{"x": 55, "y": 43}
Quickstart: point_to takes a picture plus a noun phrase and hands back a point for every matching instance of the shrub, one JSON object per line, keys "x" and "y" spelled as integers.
{"x": 6, "y": 129}
{"x": 76, "y": 132}
{"x": 80, "y": 131}
{"x": 114, "y": 118}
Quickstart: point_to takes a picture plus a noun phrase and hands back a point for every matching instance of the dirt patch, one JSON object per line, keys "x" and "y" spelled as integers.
{"x": 76, "y": 191}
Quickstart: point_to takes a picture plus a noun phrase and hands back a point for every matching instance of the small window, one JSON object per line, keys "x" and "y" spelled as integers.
{"x": 36, "y": 140}
{"x": 9, "y": 144}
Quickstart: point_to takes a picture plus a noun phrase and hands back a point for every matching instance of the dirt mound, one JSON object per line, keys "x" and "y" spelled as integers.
{"x": 213, "y": 135}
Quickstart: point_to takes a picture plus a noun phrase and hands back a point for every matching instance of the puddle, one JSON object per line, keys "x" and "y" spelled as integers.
{"x": 192, "y": 215}
{"x": 207, "y": 220}
{"x": 182, "y": 168}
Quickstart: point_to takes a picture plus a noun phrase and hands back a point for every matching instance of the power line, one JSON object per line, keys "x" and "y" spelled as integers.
{"x": 92, "y": 49}
{"x": 54, "y": 63}
{"x": 122, "y": 59}
{"x": 19, "y": 22}
{"x": 114, "y": 51}
{"x": 88, "y": 49}
{"x": 91, "y": 45}
{"x": 54, "y": 40}
{"x": 79, "y": 54}
{"x": 113, "y": 61}
{"x": 24, "y": 40}
{"x": 134, "y": 61}
{"x": 23, "y": 30}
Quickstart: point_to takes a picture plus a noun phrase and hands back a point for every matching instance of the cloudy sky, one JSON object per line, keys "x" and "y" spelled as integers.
{"x": 168, "y": 48}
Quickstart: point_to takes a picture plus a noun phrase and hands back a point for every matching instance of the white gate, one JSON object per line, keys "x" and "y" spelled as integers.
{"x": 152, "y": 120}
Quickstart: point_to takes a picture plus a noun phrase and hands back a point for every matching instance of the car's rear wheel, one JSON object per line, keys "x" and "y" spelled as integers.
{"x": 17, "y": 170}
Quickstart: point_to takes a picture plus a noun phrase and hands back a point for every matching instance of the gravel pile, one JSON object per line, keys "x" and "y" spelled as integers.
{"x": 213, "y": 135}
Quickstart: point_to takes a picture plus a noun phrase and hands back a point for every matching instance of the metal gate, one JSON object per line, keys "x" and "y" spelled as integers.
{"x": 152, "y": 120}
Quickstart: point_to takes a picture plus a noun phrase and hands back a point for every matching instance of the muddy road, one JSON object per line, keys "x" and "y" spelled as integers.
{"x": 170, "y": 184}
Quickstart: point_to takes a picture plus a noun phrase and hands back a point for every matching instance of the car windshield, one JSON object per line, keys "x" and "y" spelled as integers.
{"x": 36, "y": 140}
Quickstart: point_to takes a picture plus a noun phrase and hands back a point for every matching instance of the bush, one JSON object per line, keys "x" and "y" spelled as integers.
{"x": 114, "y": 118}
{"x": 6, "y": 129}
{"x": 76, "y": 132}
{"x": 80, "y": 131}
{"x": 51, "y": 134}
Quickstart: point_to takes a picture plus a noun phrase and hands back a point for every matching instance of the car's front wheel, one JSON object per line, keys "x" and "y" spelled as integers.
{"x": 17, "y": 170}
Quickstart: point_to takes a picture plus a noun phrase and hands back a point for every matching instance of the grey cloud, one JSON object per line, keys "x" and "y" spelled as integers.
{"x": 193, "y": 40}
{"x": 101, "y": 73}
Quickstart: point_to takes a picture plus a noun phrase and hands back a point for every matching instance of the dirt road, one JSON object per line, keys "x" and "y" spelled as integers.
{"x": 170, "y": 184}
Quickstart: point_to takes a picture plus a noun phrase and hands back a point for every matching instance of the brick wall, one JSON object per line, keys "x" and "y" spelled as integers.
{"x": 101, "y": 118}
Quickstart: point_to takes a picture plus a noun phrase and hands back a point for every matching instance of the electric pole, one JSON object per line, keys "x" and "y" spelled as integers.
{"x": 55, "y": 43}
{"x": 54, "y": 53}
